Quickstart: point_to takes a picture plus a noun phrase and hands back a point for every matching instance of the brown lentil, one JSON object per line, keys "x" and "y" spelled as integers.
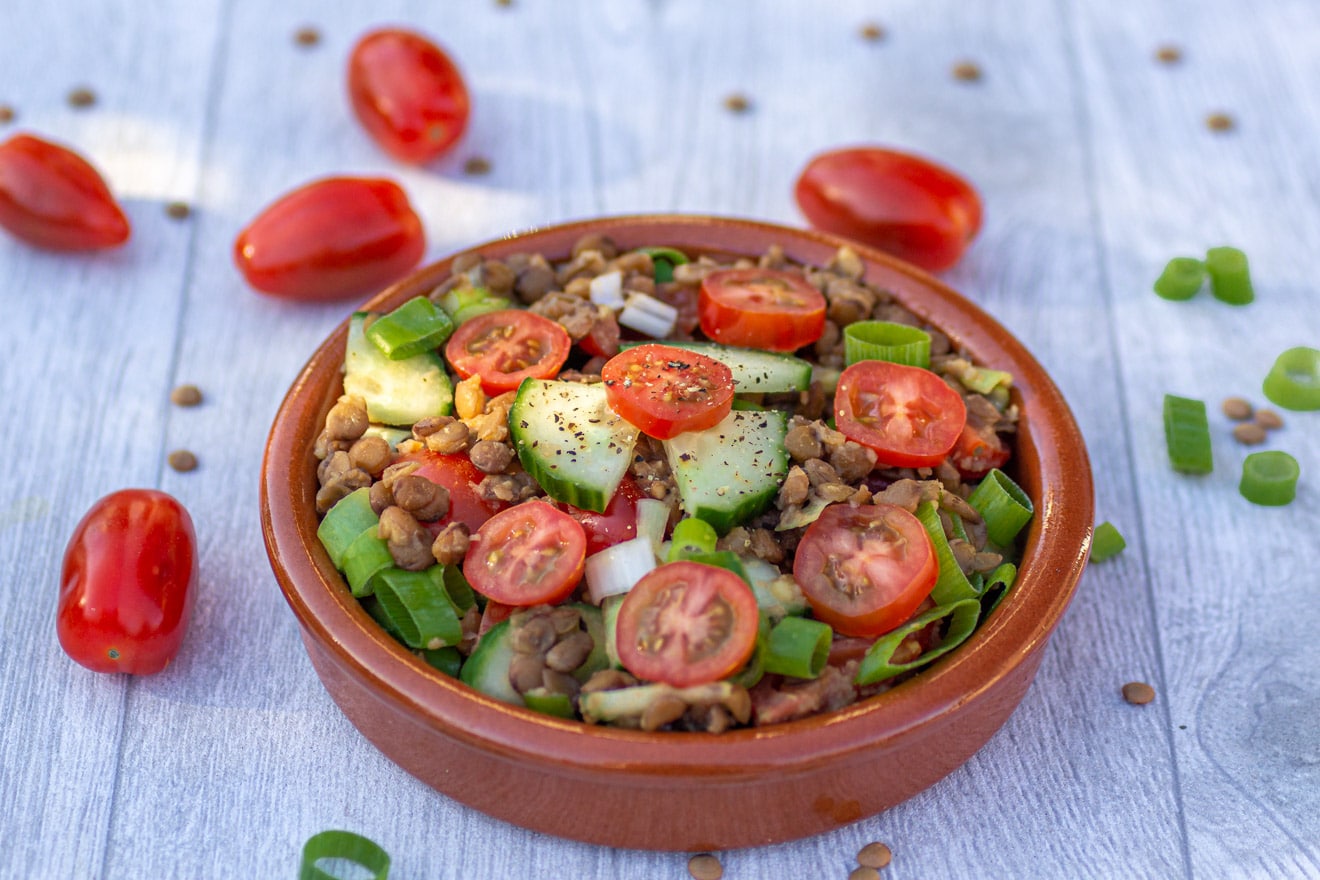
{"x": 1249, "y": 433}
{"x": 1236, "y": 408}
{"x": 186, "y": 395}
{"x": 872, "y": 32}
{"x": 967, "y": 71}
{"x": 874, "y": 855}
{"x": 451, "y": 544}
{"x": 1269, "y": 419}
{"x": 1168, "y": 54}
{"x": 81, "y": 97}
{"x": 864, "y": 873}
{"x": 705, "y": 866}
{"x": 737, "y": 103}
{"x": 1220, "y": 122}
{"x": 476, "y": 166}
{"x": 1138, "y": 693}
{"x": 182, "y": 460}
{"x": 178, "y": 210}
{"x": 7, "y": 114}
{"x": 307, "y": 36}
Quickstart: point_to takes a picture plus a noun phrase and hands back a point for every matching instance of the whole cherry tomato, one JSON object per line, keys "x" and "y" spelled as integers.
{"x": 128, "y": 583}
{"x": 408, "y": 94}
{"x": 53, "y": 198}
{"x": 331, "y": 239}
{"x": 900, "y": 203}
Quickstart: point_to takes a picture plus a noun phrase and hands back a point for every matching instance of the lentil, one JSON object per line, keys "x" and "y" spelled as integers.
{"x": 1138, "y": 693}
{"x": 1168, "y": 54}
{"x": 1249, "y": 433}
{"x": 1269, "y": 419}
{"x": 1220, "y": 122}
{"x": 182, "y": 460}
{"x": 705, "y": 867}
{"x": 476, "y": 166}
{"x": 1236, "y": 408}
{"x": 7, "y": 114}
{"x": 967, "y": 71}
{"x": 178, "y": 210}
{"x": 737, "y": 103}
{"x": 864, "y": 873}
{"x": 186, "y": 395}
{"x": 307, "y": 36}
{"x": 872, "y": 32}
{"x": 874, "y": 855}
{"x": 81, "y": 97}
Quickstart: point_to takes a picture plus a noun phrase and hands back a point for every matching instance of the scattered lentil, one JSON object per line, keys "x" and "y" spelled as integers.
{"x": 874, "y": 855}
{"x": 307, "y": 36}
{"x": 864, "y": 873}
{"x": 178, "y": 210}
{"x": 505, "y": 3}
{"x": 1269, "y": 419}
{"x": 476, "y": 165}
{"x": 182, "y": 460}
{"x": 1236, "y": 408}
{"x": 7, "y": 114}
{"x": 1168, "y": 54}
{"x": 186, "y": 395}
{"x": 81, "y": 97}
{"x": 737, "y": 103}
{"x": 1249, "y": 433}
{"x": 967, "y": 71}
{"x": 705, "y": 866}
{"x": 872, "y": 32}
{"x": 1138, "y": 693}
{"x": 1220, "y": 122}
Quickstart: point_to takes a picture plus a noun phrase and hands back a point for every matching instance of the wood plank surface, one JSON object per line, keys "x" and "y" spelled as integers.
{"x": 1096, "y": 165}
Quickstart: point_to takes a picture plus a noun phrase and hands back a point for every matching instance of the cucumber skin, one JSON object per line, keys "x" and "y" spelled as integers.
{"x": 487, "y": 669}
{"x": 754, "y": 371}
{"x": 757, "y": 435}
{"x": 413, "y": 388}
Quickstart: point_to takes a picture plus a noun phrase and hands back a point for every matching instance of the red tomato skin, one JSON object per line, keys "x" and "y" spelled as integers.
{"x": 603, "y": 338}
{"x": 331, "y": 239}
{"x": 913, "y": 389}
{"x": 517, "y": 325}
{"x": 128, "y": 583}
{"x": 666, "y": 391}
{"x": 729, "y": 321}
{"x": 53, "y": 198}
{"x": 900, "y": 203}
{"x": 977, "y": 452}
{"x": 547, "y": 527}
{"x": 617, "y": 524}
{"x": 457, "y": 473}
{"x": 408, "y": 94}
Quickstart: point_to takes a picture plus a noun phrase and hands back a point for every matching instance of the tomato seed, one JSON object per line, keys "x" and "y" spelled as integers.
{"x": 1220, "y": 122}
{"x": 178, "y": 210}
{"x": 872, "y": 32}
{"x": 1168, "y": 54}
{"x": 7, "y": 114}
{"x": 874, "y": 855}
{"x": 705, "y": 867}
{"x": 1138, "y": 693}
{"x": 1269, "y": 419}
{"x": 1236, "y": 408}
{"x": 476, "y": 165}
{"x": 186, "y": 395}
{"x": 182, "y": 460}
{"x": 307, "y": 36}
{"x": 737, "y": 103}
{"x": 81, "y": 97}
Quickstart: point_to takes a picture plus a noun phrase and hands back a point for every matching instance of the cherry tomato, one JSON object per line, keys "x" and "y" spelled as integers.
{"x": 52, "y": 198}
{"x": 617, "y": 524}
{"x": 507, "y": 346}
{"x": 460, "y": 476}
{"x": 493, "y": 613}
{"x": 333, "y": 238}
{"x": 128, "y": 583}
{"x": 908, "y": 415}
{"x": 686, "y": 623}
{"x": 864, "y": 570}
{"x": 531, "y": 554}
{"x": 603, "y": 338}
{"x": 408, "y": 94}
{"x": 977, "y": 450}
{"x": 900, "y": 203}
{"x": 665, "y": 391}
{"x": 760, "y": 308}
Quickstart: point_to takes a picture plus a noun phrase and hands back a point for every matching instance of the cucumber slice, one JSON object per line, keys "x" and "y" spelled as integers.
{"x": 570, "y": 441}
{"x": 754, "y": 371}
{"x": 731, "y": 472}
{"x": 399, "y": 392}
{"x": 599, "y": 658}
{"x": 487, "y": 669}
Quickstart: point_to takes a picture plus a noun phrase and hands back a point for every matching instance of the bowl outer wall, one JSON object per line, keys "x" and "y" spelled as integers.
{"x": 689, "y": 791}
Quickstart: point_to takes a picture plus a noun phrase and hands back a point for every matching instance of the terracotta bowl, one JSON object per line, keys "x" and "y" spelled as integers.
{"x": 688, "y": 791}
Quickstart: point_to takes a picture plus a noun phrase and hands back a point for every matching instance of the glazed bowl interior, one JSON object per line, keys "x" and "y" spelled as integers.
{"x": 669, "y": 790}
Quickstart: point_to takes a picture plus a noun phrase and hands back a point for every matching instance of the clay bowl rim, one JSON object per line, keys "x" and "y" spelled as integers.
{"x": 1050, "y": 453}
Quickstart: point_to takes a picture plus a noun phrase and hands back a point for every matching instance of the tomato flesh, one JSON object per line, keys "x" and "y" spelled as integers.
{"x": 128, "y": 583}
{"x": 665, "y": 391}
{"x": 457, "y": 473}
{"x": 506, "y": 346}
{"x": 408, "y": 94}
{"x": 908, "y": 415}
{"x": 900, "y": 203}
{"x": 864, "y": 570}
{"x": 977, "y": 451}
{"x": 527, "y": 555}
{"x": 333, "y": 238}
{"x": 617, "y": 524}
{"x": 686, "y": 623}
{"x": 53, "y": 198}
{"x": 760, "y": 308}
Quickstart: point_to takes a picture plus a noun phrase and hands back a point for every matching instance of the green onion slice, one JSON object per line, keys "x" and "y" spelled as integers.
{"x": 1269, "y": 478}
{"x": 952, "y": 585}
{"x": 798, "y": 647}
{"x": 345, "y": 846}
{"x": 1187, "y": 435}
{"x": 412, "y": 328}
{"x": 1230, "y": 278}
{"x": 1294, "y": 380}
{"x": 664, "y": 259}
{"x": 983, "y": 380}
{"x": 691, "y": 536}
{"x": 420, "y": 609}
{"x": 877, "y": 665}
{"x": 754, "y": 669}
{"x": 1106, "y": 543}
{"x": 1003, "y": 505}
{"x": 365, "y": 558}
{"x": 549, "y": 702}
{"x": 725, "y": 559}
{"x": 886, "y": 341}
{"x": 460, "y": 592}
{"x": 446, "y": 659}
{"x": 350, "y": 517}
{"x": 997, "y": 586}
{"x": 464, "y": 303}
{"x": 1181, "y": 278}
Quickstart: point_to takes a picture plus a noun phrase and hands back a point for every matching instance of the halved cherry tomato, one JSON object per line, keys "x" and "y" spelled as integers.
{"x": 53, "y": 198}
{"x": 665, "y": 391}
{"x": 978, "y": 449}
{"x": 908, "y": 415}
{"x": 527, "y": 555}
{"x": 408, "y": 94}
{"x": 864, "y": 570}
{"x": 333, "y": 238}
{"x": 687, "y": 623}
{"x": 760, "y": 308}
{"x": 494, "y": 613}
{"x": 128, "y": 583}
{"x": 617, "y": 524}
{"x": 460, "y": 476}
{"x": 897, "y": 202}
{"x": 507, "y": 346}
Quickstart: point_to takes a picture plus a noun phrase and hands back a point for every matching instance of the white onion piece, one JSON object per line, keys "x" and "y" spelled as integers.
{"x": 607, "y": 290}
{"x": 652, "y": 518}
{"x": 648, "y": 315}
{"x": 614, "y": 570}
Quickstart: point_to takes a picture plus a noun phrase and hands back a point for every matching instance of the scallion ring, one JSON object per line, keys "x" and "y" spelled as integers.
{"x": 1269, "y": 478}
{"x": 1294, "y": 380}
{"x": 345, "y": 846}
{"x": 1106, "y": 543}
{"x": 1181, "y": 278}
{"x": 886, "y": 341}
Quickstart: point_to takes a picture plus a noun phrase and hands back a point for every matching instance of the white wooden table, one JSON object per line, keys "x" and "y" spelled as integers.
{"x": 1096, "y": 166}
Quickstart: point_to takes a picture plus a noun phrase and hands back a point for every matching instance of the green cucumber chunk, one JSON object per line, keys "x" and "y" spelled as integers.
{"x": 487, "y": 669}
{"x": 731, "y": 472}
{"x": 401, "y": 392}
{"x": 754, "y": 371}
